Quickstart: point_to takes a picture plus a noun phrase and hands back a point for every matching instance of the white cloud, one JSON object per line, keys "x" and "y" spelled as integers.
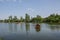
{"x": 31, "y": 10}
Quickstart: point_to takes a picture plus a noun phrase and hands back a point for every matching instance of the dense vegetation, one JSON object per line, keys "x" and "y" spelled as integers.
{"x": 53, "y": 18}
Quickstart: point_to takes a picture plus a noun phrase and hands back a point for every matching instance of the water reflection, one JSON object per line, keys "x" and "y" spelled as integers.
{"x": 15, "y": 27}
{"x": 55, "y": 27}
{"x": 37, "y": 27}
{"x": 31, "y": 31}
{"x": 27, "y": 25}
{"x": 10, "y": 27}
{"x": 21, "y": 25}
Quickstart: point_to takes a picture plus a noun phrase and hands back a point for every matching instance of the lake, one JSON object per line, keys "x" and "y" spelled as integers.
{"x": 28, "y": 31}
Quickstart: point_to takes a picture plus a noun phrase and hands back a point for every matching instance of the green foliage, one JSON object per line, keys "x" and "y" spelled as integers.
{"x": 15, "y": 19}
{"x": 6, "y": 20}
{"x": 27, "y": 18}
{"x": 53, "y": 18}
{"x": 37, "y": 19}
{"x": 10, "y": 19}
{"x": 21, "y": 19}
{"x": 1, "y": 20}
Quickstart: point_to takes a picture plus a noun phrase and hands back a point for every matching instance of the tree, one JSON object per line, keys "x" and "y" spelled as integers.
{"x": 21, "y": 19}
{"x": 50, "y": 18}
{"x": 15, "y": 19}
{"x": 27, "y": 18}
{"x": 53, "y": 18}
{"x": 37, "y": 19}
{"x": 10, "y": 19}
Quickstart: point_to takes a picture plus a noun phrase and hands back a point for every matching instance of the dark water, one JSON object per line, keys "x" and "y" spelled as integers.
{"x": 28, "y": 31}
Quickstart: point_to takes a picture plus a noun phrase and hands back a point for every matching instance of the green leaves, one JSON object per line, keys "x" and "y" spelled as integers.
{"x": 53, "y": 18}
{"x": 27, "y": 18}
{"x": 37, "y": 19}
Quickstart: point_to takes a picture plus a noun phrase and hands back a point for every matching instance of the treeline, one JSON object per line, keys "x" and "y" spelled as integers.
{"x": 53, "y": 18}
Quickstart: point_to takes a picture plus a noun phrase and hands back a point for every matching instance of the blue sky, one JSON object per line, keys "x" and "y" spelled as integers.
{"x": 33, "y": 7}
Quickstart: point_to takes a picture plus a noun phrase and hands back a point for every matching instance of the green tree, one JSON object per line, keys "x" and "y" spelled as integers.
{"x": 27, "y": 18}
{"x": 6, "y": 20}
{"x": 10, "y": 19}
{"x": 15, "y": 19}
{"x": 21, "y": 19}
{"x": 53, "y": 18}
{"x": 37, "y": 19}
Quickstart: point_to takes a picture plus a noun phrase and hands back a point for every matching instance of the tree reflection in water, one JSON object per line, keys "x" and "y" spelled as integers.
{"x": 55, "y": 27}
{"x": 27, "y": 26}
{"x": 37, "y": 27}
{"x": 10, "y": 27}
{"x": 21, "y": 25}
{"x": 15, "y": 27}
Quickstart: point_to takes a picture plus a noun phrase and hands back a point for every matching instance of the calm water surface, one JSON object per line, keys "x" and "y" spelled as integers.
{"x": 27, "y": 31}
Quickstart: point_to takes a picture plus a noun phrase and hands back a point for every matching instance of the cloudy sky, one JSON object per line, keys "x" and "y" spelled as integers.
{"x": 33, "y": 7}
